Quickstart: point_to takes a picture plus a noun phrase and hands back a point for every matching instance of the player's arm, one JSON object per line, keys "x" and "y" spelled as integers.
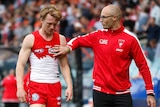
{"x": 21, "y": 63}
{"x": 66, "y": 71}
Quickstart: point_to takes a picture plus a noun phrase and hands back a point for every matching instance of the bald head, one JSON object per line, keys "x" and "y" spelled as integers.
{"x": 111, "y": 17}
{"x": 112, "y": 10}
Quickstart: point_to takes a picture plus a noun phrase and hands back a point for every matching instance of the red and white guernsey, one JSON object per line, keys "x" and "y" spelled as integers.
{"x": 113, "y": 53}
{"x": 44, "y": 67}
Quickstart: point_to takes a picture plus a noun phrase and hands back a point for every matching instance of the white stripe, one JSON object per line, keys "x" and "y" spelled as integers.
{"x": 149, "y": 91}
{"x": 104, "y": 30}
{"x": 123, "y": 92}
{"x": 70, "y": 42}
{"x": 10, "y": 100}
{"x": 97, "y": 88}
{"x": 134, "y": 35}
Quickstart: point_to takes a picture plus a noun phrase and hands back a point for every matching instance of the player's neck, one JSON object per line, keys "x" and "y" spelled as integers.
{"x": 45, "y": 35}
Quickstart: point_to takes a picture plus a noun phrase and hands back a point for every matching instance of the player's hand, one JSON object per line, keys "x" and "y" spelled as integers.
{"x": 69, "y": 94}
{"x": 21, "y": 95}
{"x": 151, "y": 102}
{"x": 60, "y": 50}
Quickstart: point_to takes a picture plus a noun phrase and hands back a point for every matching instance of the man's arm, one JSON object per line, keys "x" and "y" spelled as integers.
{"x": 66, "y": 71}
{"x": 141, "y": 63}
{"x": 88, "y": 40}
{"x": 22, "y": 60}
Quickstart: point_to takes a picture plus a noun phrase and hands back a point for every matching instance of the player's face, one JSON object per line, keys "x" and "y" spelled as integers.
{"x": 49, "y": 24}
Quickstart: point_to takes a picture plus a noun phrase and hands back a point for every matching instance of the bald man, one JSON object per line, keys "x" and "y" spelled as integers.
{"x": 114, "y": 48}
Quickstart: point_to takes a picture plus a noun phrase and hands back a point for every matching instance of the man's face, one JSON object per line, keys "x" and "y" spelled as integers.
{"x": 106, "y": 19}
{"x": 49, "y": 24}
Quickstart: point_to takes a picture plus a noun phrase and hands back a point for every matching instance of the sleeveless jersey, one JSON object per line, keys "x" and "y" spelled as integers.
{"x": 44, "y": 67}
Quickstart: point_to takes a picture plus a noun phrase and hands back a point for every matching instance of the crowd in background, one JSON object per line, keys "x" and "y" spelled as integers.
{"x": 20, "y": 17}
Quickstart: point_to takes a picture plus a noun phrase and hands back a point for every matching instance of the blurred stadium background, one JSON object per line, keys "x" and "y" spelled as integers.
{"x": 20, "y": 17}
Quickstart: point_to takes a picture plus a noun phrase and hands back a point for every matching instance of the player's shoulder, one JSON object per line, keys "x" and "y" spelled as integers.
{"x": 62, "y": 36}
{"x": 28, "y": 40}
{"x": 29, "y": 37}
{"x": 62, "y": 39}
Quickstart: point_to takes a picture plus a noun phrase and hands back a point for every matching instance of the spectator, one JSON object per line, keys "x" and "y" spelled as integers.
{"x": 142, "y": 20}
{"x": 9, "y": 97}
{"x": 154, "y": 11}
{"x": 153, "y": 35}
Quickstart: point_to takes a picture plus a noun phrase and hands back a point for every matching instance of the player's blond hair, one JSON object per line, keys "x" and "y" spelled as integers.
{"x": 52, "y": 10}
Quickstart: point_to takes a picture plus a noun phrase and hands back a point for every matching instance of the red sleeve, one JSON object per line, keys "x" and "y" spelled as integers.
{"x": 87, "y": 40}
{"x": 141, "y": 62}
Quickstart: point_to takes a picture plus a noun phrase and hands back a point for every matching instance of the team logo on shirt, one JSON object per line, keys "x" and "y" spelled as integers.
{"x": 35, "y": 97}
{"x": 103, "y": 41}
{"x": 39, "y": 50}
{"x": 51, "y": 51}
{"x": 120, "y": 43}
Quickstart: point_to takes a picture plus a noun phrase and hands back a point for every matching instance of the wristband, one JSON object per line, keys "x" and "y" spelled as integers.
{"x": 151, "y": 94}
{"x": 69, "y": 50}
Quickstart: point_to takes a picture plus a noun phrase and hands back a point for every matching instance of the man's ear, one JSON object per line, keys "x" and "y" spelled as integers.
{"x": 115, "y": 17}
{"x": 41, "y": 20}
